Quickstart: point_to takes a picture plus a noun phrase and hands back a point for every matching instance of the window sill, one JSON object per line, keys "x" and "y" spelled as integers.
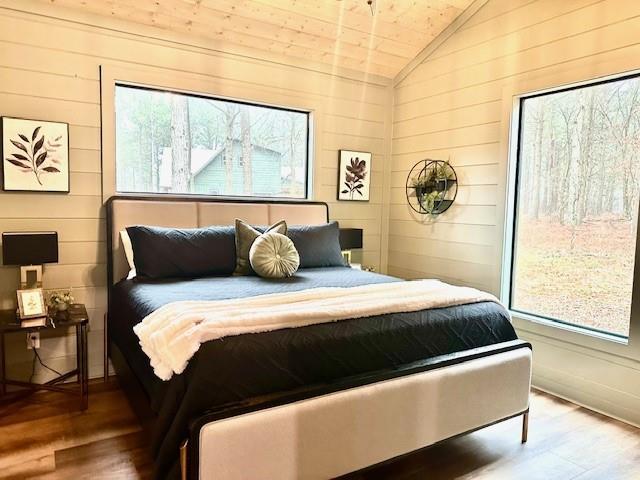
{"x": 570, "y": 328}
{"x": 570, "y": 335}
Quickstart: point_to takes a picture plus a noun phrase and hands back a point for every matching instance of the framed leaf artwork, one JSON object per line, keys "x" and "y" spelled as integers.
{"x": 35, "y": 155}
{"x": 354, "y": 176}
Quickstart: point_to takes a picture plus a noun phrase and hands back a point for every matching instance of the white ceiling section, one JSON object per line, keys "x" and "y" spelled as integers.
{"x": 340, "y": 33}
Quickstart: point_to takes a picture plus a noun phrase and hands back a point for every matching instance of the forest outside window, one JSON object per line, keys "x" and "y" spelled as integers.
{"x": 168, "y": 142}
{"x": 576, "y": 211}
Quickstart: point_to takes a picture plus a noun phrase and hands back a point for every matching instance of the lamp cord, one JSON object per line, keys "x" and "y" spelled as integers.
{"x": 36, "y": 355}
{"x": 33, "y": 368}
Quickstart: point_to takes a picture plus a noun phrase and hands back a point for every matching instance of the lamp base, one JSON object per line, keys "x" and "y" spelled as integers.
{"x": 31, "y": 277}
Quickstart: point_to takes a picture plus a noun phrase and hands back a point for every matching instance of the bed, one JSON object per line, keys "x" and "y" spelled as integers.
{"x": 313, "y": 402}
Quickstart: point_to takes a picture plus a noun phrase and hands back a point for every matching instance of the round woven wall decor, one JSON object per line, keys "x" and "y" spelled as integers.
{"x": 432, "y": 187}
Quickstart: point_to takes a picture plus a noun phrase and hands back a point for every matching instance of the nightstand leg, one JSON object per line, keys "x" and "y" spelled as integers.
{"x": 3, "y": 387}
{"x": 106, "y": 349}
{"x": 85, "y": 368}
{"x": 79, "y": 364}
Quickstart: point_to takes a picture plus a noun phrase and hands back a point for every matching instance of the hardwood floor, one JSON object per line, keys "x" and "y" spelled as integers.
{"x": 42, "y": 438}
{"x": 46, "y": 436}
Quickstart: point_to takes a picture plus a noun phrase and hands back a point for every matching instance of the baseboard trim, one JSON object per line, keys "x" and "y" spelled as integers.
{"x": 562, "y": 391}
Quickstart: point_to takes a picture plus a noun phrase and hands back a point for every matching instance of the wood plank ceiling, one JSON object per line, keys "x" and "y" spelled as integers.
{"x": 342, "y": 33}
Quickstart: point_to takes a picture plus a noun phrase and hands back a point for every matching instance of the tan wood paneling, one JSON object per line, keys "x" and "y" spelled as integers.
{"x": 528, "y": 17}
{"x": 496, "y": 10}
{"x": 459, "y": 233}
{"x": 434, "y": 267}
{"x": 412, "y": 105}
{"x": 449, "y": 120}
{"x": 442, "y": 249}
{"x": 458, "y": 137}
{"x": 482, "y": 154}
{"x": 82, "y": 114}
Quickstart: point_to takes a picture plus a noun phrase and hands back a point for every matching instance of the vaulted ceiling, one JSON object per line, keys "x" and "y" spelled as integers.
{"x": 341, "y": 33}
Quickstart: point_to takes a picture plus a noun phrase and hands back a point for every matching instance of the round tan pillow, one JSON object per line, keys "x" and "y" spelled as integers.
{"x": 273, "y": 255}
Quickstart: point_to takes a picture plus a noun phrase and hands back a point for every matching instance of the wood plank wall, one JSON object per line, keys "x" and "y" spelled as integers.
{"x": 451, "y": 106}
{"x": 49, "y": 69}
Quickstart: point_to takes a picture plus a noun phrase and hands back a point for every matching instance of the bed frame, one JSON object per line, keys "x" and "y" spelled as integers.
{"x": 326, "y": 430}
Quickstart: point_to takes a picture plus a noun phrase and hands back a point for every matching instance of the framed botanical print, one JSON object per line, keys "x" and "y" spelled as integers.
{"x": 35, "y": 155}
{"x": 354, "y": 175}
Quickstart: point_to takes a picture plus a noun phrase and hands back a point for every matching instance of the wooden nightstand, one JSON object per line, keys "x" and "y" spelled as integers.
{"x": 76, "y": 316}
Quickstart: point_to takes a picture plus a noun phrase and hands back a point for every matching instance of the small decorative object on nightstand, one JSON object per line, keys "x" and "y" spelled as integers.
{"x": 60, "y": 301}
{"x": 31, "y": 305}
{"x": 350, "y": 239}
{"x": 75, "y": 316}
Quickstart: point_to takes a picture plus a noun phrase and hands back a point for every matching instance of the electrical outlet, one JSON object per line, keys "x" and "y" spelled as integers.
{"x": 33, "y": 340}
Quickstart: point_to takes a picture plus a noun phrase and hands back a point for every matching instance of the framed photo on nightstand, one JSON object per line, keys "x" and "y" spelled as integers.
{"x": 31, "y": 304}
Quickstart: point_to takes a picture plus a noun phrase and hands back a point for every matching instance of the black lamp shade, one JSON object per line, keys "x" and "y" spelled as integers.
{"x": 350, "y": 238}
{"x": 29, "y": 248}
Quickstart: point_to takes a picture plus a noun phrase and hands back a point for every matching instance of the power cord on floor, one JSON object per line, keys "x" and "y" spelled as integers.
{"x": 36, "y": 355}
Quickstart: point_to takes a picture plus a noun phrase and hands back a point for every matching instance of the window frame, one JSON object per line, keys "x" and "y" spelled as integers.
{"x": 307, "y": 161}
{"x": 514, "y": 96}
{"x": 208, "y": 86}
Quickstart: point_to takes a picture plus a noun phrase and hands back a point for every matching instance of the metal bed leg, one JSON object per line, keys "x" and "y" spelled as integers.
{"x": 183, "y": 460}
{"x": 525, "y": 426}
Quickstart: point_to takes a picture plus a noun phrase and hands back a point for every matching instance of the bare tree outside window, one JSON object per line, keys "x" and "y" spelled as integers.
{"x": 577, "y": 205}
{"x": 169, "y": 142}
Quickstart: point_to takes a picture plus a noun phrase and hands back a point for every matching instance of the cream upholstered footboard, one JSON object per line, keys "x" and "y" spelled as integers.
{"x": 333, "y": 434}
{"x": 325, "y": 431}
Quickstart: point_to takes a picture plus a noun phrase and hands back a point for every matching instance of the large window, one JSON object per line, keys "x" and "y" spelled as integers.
{"x": 168, "y": 142}
{"x": 576, "y": 212}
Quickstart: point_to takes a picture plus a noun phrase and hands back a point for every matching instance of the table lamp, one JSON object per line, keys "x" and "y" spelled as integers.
{"x": 350, "y": 238}
{"x": 29, "y": 250}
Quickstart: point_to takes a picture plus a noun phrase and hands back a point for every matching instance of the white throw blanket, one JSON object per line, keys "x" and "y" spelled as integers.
{"x": 171, "y": 335}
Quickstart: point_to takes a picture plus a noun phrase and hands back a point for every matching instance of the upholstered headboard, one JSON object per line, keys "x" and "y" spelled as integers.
{"x": 188, "y": 212}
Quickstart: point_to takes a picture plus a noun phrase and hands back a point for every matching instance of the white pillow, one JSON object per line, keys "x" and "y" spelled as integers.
{"x": 128, "y": 252}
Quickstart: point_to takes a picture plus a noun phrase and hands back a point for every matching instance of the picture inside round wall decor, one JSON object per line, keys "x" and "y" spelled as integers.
{"x": 35, "y": 155}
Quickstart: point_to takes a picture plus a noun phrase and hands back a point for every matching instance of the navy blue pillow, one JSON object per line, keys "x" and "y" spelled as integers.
{"x": 160, "y": 252}
{"x": 317, "y": 245}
